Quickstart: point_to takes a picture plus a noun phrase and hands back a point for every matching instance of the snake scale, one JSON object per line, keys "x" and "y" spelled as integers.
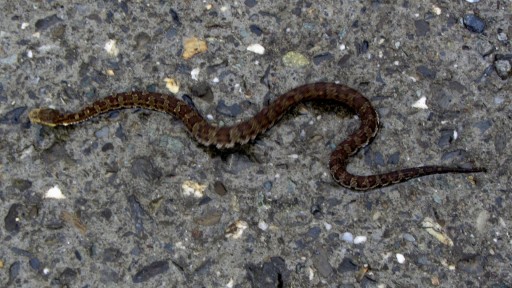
{"x": 243, "y": 132}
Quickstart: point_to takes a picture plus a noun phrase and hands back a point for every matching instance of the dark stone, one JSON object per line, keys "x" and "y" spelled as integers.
{"x": 144, "y": 168}
{"x": 67, "y": 277}
{"x": 14, "y": 270}
{"x": 255, "y": 29}
{"x": 205, "y": 200}
{"x": 112, "y": 254}
{"x": 250, "y": 3}
{"x": 394, "y": 158}
{"x": 483, "y": 125}
{"x": 426, "y": 72}
{"x": 316, "y": 210}
{"x": 150, "y": 271}
{"x": 472, "y": 264}
{"x": 362, "y": 47}
{"x": 142, "y": 40}
{"x": 422, "y": 27}
{"x": 35, "y": 264}
{"x": 346, "y": 265}
{"x": 378, "y": 159}
{"x": 344, "y": 60}
{"x": 45, "y": 23}
{"x": 321, "y": 262}
{"x": 474, "y": 23}
{"x": 136, "y": 212}
{"x": 202, "y": 90}
{"x": 313, "y": 233}
{"x": 318, "y": 59}
{"x": 175, "y": 17}
{"x": 232, "y": 110}
{"x": 21, "y": 252}
{"x": 219, "y": 188}
{"x": 106, "y": 213}
{"x": 267, "y": 185}
{"x": 446, "y": 138}
{"x": 78, "y": 255}
{"x": 13, "y": 117}
{"x": 270, "y": 274}
{"x": 11, "y": 219}
{"x": 107, "y": 147}
{"x": 21, "y": 184}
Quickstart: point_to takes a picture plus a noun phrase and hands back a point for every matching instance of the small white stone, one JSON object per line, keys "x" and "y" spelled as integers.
{"x": 327, "y": 226}
{"x": 359, "y": 239}
{"x": 195, "y": 73}
{"x": 194, "y": 189}
{"x": 343, "y": 47}
{"x": 215, "y": 80}
{"x": 347, "y": 237}
{"x": 54, "y": 193}
{"x": 24, "y": 25}
{"x": 111, "y": 48}
{"x": 256, "y": 48}
{"x": 455, "y": 135}
{"x": 436, "y": 10}
{"x": 30, "y": 54}
{"x": 400, "y": 258}
{"x": 262, "y": 225}
{"x": 421, "y": 103}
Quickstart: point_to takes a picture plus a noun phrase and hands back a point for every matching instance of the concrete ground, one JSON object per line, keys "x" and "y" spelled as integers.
{"x": 129, "y": 199}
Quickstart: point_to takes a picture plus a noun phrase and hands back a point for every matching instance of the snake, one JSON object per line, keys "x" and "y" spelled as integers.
{"x": 224, "y": 137}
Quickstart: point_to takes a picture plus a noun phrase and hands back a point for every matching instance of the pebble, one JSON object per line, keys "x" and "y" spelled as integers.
{"x": 143, "y": 167}
{"x": 175, "y": 17}
{"x": 45, "y": 23}
{"x": 256, "y": 48}
{"x": 255, "y": 29}
{"x": 102, "y": 133}
{"x": 400, "y": 258}
{"x": 228, "y": 110}
{"x": 320, "y": 260}
{"x": 324, "y": 57}
{"x": 219, "y": 188}
{"x": 483, "y": 125}
{"x": 347, "y": 237}
{"x": 13, "y": 117}
{"x": 263, "y": 225}
{"x": 409, "y": 237}
{"x": 35, "y": 264}
{"x": 295, "y": 60}
{"x": 503, "y": 68}
{"x": 267, "y": 185}
{"x": 473, "y": 23}
{"x": 11, "y": 221}
{"x": 360, "y": 240}
{"x": 313, "y": 233}
{"x": 150, "y": 271}
{"x": 394, "y": 158}
{"x": 250, "y": 3}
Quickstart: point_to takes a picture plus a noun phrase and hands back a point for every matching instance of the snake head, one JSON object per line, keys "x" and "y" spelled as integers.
{"x": 44, "y": 116}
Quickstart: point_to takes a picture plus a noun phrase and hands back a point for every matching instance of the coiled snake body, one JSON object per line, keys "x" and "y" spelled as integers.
{"x": 241, "y": 133}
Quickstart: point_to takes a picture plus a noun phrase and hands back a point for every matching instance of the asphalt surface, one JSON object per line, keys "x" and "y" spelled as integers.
{"x": 129, "y": 199}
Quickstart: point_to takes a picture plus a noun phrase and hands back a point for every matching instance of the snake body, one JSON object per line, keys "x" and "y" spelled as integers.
{"x": 243, "y": 132}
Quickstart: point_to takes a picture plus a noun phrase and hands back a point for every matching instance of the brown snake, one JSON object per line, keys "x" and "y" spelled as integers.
{"x": 241, "y": 133}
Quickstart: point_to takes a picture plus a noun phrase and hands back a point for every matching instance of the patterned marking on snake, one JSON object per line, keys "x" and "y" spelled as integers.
{"x": 241, "y": 133}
